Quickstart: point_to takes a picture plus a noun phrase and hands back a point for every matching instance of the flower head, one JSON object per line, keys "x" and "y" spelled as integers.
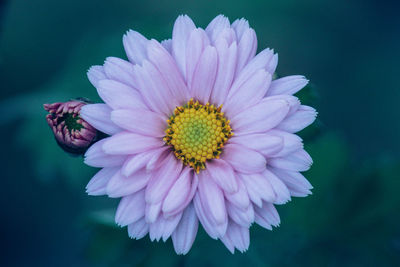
{"x": 72, "y": 133}
{"x": 199, "y": 132}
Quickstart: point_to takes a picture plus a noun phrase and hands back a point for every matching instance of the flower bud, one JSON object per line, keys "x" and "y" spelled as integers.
{"x": 73, "y": 134}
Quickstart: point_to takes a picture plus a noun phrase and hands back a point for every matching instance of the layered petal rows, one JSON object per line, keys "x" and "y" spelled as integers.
{"x": 258, "y": 167}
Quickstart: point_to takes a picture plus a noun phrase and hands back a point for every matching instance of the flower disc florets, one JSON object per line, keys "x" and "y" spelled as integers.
{"x": 197, "y": 133}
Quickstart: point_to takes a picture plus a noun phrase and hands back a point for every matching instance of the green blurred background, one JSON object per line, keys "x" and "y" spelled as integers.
{"x": 348, "y": 49}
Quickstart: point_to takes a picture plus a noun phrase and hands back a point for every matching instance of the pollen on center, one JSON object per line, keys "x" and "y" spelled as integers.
{"x": 197, "y": 133}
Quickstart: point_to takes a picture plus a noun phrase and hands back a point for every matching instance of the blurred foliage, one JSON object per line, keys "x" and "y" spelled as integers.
{"x": 346, "y": 49}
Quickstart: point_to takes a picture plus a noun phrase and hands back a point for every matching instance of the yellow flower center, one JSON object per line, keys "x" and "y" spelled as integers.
{"x": 197, "y": 133}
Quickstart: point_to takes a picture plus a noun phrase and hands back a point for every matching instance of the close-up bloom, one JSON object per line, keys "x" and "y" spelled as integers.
{"x": 198, "y": 132}
{"x": 73, "y": 134}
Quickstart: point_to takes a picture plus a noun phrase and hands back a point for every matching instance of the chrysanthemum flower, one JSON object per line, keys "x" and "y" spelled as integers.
{"x": 199, "y": 132}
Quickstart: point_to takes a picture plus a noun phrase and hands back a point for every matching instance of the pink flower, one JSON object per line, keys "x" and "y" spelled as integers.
{"x": 199, "y": 133}
{"x": 73, "y": 134}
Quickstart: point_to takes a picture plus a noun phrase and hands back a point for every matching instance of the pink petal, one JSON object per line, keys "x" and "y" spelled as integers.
{"x": 196, "y": 44}
{"x": 264, "y": 143}
{"x": 179, "y": 192}
{"x": 118, "y": 95}
{"x": 261, "y": 117}
{"x": 140, "y": 121}
{"x": 98, "y": 184}
{"x": 288, "y": 85}
{"x": 282, "y": 194}
{"x": 169, "y": 71}
{"x": 135, "y": 46}
{"x": 95, "y": 74}
{"x": 154, "y": 89}
{"x": 298, "y": 161}
{"x": 247, "y": 48}
{"x": 204, "y": 75}
{"x": 223, "y": 175}
{"x": 158, "y": 157}
{"x": 243, "y": 159}
{"x": 242, "y": 217}
{"x": 96, "y": 157}
{"x": 167, "y": 44}
{"x": 99, "y": 116}
{"x": 119, "y": 70}
{"x": 180, "y": 35}
{"x": 266, "y": 216}
{"x": 259, "y": 186}
{"x": 297, "y": 184}
{"x": 212, "y": 199}
{"x": 240, "y": 26}
{"x": 163, "y": 228}
{"x": 296, "y": 122}
{"x": 294, "y": 102}
{"x": 138, "y": 161}
{"x": 120, "y": 185}
{"x": 207, "y": 224}
{"x": 248, "y": 94}
{"x": 152, "y": 211}
{"x": 130, "y": 209}
{"x": 226, "y": 70}
{"x": 291, "y": 143}
{"x": 239, "y": 198}
{"x": 138, "y": 229}
{"x": 163, "y": 179}
{"x": 130, "y": 143}
{"x": 185, "y": 233}
{"x": 216, "y": 26}
{"x": 238, "y": 236}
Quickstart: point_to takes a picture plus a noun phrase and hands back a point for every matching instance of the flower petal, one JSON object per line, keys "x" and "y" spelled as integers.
{"x": 216, "y": 26}
{"x": 291, "y": 143}
{"x": 152, "y": 211}
{"x": 180, "y": 35}
{"x": 266, "y": 216}
{"x": 206, "y": 222}
{"x": 120, "y": 185}
{"x": 239, "y": 198}
{"x": 298, "y": 161}
{"x": 99, "y": 116}
{"x": 154, "y": 89}
{"x": 138, "y": 229}
{"x": 223, "y": 175}
{"x": 243, "y": 159}
{"x": 196, "y": 44}
{"x": 125, "y": 143}
{"x": 96, "y": 157}
{"x": 140, "y": 121}
{"x": 247, "y": 48}
{"x": 242, "y": 217}
{"x": 288, "y": 85}
{"x": 98, "y": 184}
{"x": 163, "y": 179}
{"x": 261, "y": 117}
{"x": 163, "y": 227}
{"x": 296, "y": 122}
{"x": 212, "y": 199}
{"x": 135, "y": 46}
{"x": 204, "y": 75}
{"x": 138, "y": 161}
{"x": 264, "y": 143}
{"x": 119, "y": 70}
{"x": 282, "y": 194}
{"x": 118, "y": 95}
{"x": 179, "y": 192}
{"x": 238, "y": 236}
{"x": 227, "y": 57}
{"x": 95, "y": 74}
{"x": 185, "y": 233}
{"x": 169, "y": 71}
{"x": 258, "y": 184}
{"x": 297, "y": 184}
{"x": 130, "y": 209}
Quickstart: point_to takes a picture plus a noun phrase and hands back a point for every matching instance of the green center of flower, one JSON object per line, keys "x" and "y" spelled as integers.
{"x": 197, "y": 133}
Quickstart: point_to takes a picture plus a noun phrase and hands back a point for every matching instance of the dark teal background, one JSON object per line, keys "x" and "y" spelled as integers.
{"x": 348, "y": 49}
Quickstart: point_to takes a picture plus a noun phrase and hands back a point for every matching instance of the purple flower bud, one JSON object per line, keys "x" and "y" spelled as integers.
{"x": 73, "y": 134}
